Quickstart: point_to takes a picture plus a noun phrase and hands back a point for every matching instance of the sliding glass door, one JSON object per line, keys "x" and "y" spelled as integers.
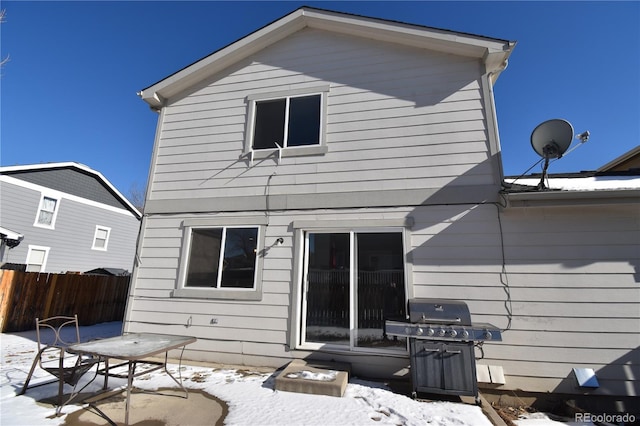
{"x": 352, "y": 282}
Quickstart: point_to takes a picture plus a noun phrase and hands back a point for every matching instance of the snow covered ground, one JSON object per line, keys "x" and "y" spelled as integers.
{"x": 250, "y": 396}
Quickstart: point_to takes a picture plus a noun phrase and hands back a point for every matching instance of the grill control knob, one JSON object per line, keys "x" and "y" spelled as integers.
{"x": 419, "y": 331}
{"x": 441, "y": 332}
{"x": 407, "y": 330}
{"x": 465, "y": 334}
{"x": 453, "y": 333}
{"x": 487, "y": 335}
{"x": 430, "y": 331}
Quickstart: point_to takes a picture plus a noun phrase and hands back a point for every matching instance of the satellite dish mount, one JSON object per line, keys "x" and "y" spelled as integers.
{"x": 551, "y": 140}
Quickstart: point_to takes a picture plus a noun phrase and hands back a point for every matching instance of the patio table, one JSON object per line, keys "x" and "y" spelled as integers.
{"x": 134, "y": 348}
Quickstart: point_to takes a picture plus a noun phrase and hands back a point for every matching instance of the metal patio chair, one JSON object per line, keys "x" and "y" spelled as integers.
{"x": 54, "y": 335}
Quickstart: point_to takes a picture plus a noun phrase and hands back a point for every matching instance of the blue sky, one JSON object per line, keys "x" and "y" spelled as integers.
{"x": 68, "y": 92}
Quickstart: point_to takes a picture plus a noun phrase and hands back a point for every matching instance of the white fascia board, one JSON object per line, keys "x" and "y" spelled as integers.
{"x": 567, "y": 198}
{"x": 42, "y": 166}
{"x": 407, "y": 34}
{"x": 493, "y": 51}
{"x": 9, "y": 234}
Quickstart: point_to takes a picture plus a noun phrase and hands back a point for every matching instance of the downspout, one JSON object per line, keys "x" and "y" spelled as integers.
{"x": 137, "y": 262}
{"x": 492, "y": 124}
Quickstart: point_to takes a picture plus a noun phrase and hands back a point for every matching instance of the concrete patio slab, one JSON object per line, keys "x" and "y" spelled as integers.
{"x": 318, "y": 378}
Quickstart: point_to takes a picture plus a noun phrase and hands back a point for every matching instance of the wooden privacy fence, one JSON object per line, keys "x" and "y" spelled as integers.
{"x": 25, "y": 296}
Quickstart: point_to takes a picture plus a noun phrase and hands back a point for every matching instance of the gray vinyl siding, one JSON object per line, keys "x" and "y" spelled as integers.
{"x": 568, "y": 308}
{"x": 231, "y": 331}
{"x": 71, "y": 239}
{"x": 398, "y": 118}
{"x": 576, "y": 301}
{"x": 18, "y": 209}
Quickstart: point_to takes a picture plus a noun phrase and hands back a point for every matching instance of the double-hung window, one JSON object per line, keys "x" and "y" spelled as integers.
{"x": 220, "y": 261}
{"x": 37, "y": 258}
{"x": 291, "y": 122}
{"x": 47, "y": 212}
{"x": 101, "y": 238}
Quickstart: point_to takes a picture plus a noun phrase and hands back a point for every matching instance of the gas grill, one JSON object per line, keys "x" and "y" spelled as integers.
{"x": 441, "y": 345}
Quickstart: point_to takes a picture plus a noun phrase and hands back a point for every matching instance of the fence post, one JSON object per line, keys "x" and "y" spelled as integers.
{"x": 6, "y": 296}
{"x": 51, "y": 292}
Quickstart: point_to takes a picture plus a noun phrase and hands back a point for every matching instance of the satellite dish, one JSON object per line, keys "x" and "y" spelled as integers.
{"x": 552, "y": 138}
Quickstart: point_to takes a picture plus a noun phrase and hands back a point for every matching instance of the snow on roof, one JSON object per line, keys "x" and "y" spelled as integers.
{"x": 582, "y": 188}
{"x": 583, "y": 183}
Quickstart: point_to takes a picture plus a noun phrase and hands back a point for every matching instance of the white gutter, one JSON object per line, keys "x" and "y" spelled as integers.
{"x": 569, "y": 198}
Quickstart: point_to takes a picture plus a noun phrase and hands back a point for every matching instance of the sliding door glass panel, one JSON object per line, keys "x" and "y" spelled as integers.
{"x": 328, "y": 277}
{"x": 380, "y": 288}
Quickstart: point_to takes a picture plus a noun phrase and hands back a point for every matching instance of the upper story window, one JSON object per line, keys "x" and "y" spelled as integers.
{"x": 291, "y": 122}
{"x": 101, "y": 238}
{"x": 47, "y": 212}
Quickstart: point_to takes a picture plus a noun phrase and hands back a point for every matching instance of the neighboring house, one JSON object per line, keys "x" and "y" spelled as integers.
{"x": 71, "y": 219}
{"x": 311, "y": 177}
{"x": 627, "y": 162}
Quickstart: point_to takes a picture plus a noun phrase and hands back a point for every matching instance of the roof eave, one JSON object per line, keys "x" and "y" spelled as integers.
{"x": 572, "y": 198}
{"x": 11, "y": 235}
{"x": 494, "y": 52}
{"x": 157, "y": 94}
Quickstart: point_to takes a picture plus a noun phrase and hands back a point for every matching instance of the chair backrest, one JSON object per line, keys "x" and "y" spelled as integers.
{"x": 58, "y": 331}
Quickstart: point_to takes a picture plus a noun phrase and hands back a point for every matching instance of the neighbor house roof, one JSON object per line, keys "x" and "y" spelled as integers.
{"x": 118, "y": 272}
{"x": 494, "y": 52}
{"x": 32, "y": 173}
{"x": 627, "y": 161}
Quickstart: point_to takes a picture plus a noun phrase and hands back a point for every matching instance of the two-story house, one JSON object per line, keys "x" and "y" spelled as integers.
{"x": 65, "y": 217}
{"x": 310, "y": 178}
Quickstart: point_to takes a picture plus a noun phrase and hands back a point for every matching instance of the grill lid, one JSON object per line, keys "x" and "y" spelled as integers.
{"x": 439, "y": 311}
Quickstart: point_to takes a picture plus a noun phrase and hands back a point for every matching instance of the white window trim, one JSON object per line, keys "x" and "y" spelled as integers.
{"x": 254, "y": 293}
{"x": 55, "y": 212}
{"x": 95, "y": 237}
{"x": 297, "y": 319}
{"x": 46, "y": 256}
{"x": 292, "y": 151}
